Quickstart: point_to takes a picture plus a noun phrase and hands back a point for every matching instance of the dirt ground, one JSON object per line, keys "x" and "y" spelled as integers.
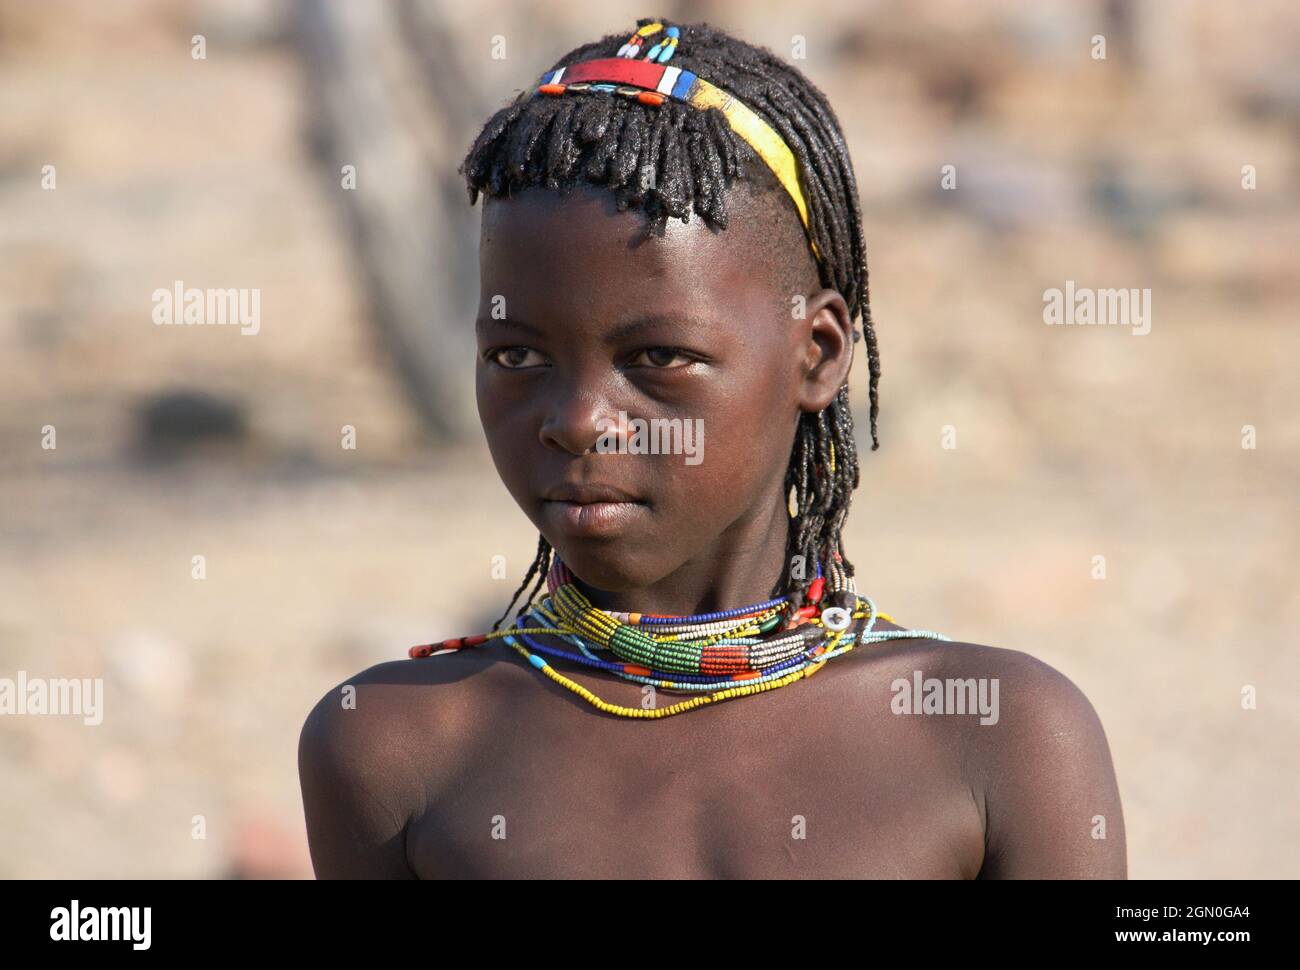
{"x": 1072, "y": 443}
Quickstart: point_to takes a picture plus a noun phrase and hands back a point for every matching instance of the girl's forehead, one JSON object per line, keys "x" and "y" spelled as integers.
{"x": 542, "y": 238}
{"x": 584, "y": 217}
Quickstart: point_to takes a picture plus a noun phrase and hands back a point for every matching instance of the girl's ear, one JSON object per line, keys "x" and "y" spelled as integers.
{"x": 829, "y": 334}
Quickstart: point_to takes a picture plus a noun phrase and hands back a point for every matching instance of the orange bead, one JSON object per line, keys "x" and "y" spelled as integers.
{"x": 551, "y": 89}
{"x": 650, "y": 98}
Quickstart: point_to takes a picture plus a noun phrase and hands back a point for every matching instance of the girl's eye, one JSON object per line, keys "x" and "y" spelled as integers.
{"x": 511, "y": 358}
{"x": 660, "y": 358}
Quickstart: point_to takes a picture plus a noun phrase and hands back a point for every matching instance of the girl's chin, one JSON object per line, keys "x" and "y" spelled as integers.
{"x": 609, "y": 569}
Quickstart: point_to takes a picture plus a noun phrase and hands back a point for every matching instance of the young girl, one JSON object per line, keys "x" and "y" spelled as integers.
{"x": 651, "y": 713}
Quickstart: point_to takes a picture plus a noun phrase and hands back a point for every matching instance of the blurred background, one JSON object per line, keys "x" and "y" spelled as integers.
{"x": 227, "y": 170}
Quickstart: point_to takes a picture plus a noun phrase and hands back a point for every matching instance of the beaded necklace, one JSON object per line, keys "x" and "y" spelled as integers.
{"x": 718, "y": 656}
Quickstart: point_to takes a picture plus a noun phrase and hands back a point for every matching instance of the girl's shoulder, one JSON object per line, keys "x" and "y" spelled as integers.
{"x": 1032, "y": 749}
{"x": 375, "y": 749}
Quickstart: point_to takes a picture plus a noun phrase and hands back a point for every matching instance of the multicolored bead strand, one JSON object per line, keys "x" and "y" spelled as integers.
{"x": 727, "y": 653}
{"x": 663, "y": 50}
{"x": 635, "y": 42}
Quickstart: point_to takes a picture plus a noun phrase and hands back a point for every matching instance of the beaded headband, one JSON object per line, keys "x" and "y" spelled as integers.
{"x": 651, "y": 81}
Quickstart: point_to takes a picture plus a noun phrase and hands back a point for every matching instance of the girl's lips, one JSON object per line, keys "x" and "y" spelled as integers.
{"x": 593, "y": 518}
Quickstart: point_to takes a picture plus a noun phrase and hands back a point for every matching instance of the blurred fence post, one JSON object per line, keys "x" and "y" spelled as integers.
{"x": 381, "y": 104}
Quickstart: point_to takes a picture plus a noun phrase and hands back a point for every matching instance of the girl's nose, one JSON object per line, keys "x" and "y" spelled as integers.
{"x": 578, "y": 421}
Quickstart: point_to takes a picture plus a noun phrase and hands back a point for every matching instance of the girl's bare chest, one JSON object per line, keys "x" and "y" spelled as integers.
{"x": 549, "y": 790}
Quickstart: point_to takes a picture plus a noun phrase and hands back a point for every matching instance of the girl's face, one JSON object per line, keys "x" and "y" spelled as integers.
{"x": 581, "y": 318}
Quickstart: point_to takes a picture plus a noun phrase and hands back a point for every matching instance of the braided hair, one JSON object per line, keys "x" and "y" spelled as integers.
{"x": 672, "y": 159}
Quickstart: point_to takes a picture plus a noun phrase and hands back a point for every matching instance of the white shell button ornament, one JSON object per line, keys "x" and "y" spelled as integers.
{"x": 836, "y": 618}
